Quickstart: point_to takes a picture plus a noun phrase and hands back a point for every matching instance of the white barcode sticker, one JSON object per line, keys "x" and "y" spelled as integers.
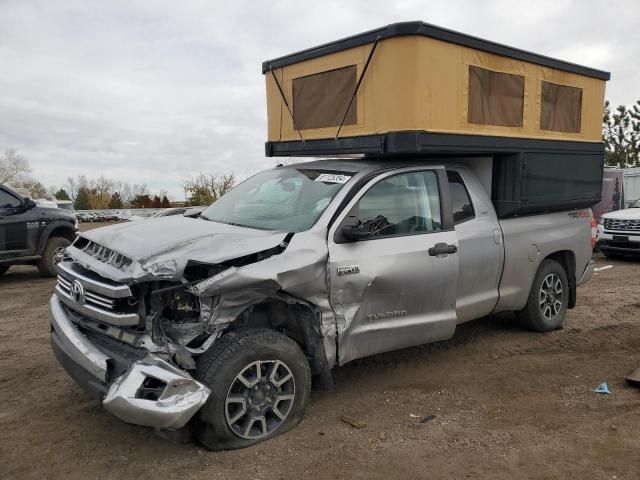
{"x": 332, "y": 178}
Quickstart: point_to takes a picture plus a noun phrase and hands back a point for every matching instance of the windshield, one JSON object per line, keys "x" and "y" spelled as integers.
{"x": 288, "y": 199}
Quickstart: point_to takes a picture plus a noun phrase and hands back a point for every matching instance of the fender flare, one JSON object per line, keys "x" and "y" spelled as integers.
{"x": 56, "y": 226}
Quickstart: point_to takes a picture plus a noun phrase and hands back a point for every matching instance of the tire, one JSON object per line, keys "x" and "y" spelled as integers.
{"x": 548, "y": 300}
{"x": 3, "y": 269}
{"x": 241, "y": 410}
{"x": 50, "y": 256}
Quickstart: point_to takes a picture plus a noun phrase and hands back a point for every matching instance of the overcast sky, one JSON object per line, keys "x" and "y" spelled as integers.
{"x": 153, "y": 92}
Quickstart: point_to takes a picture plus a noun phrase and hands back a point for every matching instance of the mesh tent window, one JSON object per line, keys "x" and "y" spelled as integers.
{"x": 561, "y": 108}
{"x": 495, "y": 98}
{"x": 320, "y": 100}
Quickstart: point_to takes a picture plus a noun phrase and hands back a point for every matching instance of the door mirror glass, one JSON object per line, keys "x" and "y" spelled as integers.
{"x": 29, "y": 204}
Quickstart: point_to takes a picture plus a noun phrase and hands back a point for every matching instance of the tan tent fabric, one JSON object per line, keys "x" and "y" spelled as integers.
{"x": 423, "y": 84}
{"x": 320, "y": 100}
{"x": 561, "y": 108}
{"x": 495, "y": 98}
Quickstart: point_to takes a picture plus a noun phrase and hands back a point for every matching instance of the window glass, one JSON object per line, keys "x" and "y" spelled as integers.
{"x": 561, "y": 108}
{"x": 287, "y": 198}
{"x": 402, "y": 205}
{"x": 8, "y": 201}
{"x": 320, "y": 100}
{"x": 460, "y": 201}
{"x": 495, "y": 98}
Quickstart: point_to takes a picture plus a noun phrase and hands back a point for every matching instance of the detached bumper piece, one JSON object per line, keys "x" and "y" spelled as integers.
{"x": 155, "y": 394}
{"x": 151, "y": 392}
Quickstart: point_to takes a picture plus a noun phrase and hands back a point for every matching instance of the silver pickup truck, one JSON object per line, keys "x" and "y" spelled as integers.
{"x": 219, "y": 325}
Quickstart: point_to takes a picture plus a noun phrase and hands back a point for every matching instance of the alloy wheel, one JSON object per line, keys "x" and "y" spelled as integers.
{"x": 551, "y": 296}
{"x": 260, "y": 399}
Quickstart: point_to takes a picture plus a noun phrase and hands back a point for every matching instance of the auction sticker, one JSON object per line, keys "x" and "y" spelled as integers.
{"x": 332, "y": 178}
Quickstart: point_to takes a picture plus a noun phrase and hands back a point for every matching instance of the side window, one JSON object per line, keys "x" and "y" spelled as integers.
{"x": 404, "y": 204}
{"x": 460, "y": 201}
{"x": 8, "y": 201}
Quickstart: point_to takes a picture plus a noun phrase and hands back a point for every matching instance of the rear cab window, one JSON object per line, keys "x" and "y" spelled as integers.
{"x": 460, "y": 201}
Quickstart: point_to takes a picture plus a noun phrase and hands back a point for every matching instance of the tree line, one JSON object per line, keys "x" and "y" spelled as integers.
{"x": 101, "y": 193}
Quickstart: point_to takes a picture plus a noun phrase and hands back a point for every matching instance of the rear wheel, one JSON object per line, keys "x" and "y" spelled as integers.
{"x": 260, "y": 384}
{"x": 548, "y": 299}
{"x": 52, "y": 254}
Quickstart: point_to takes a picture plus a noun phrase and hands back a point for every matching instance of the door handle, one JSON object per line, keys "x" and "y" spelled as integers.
{"x": 442, "y": 249}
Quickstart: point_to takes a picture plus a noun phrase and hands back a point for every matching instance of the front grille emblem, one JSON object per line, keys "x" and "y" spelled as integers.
{"x": 77, "y": 292}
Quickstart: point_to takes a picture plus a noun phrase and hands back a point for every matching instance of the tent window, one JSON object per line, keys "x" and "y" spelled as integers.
{"x": 495, "y": 98}
{"x": 320, "y": 100}
{"x": 561, "y": 108}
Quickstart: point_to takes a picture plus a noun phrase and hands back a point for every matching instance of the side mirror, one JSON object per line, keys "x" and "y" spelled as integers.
{"x": 29, "y": 204}
{"x": 193, "y": 212}
{"x": 353, "y": 233}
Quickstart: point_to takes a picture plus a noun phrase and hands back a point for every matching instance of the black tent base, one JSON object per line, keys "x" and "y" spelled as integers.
{"x": 421, "y": 142}
{"x": 529, "y": 175}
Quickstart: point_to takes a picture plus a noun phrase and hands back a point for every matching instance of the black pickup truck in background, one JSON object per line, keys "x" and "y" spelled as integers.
{"x": 32, "y": 235}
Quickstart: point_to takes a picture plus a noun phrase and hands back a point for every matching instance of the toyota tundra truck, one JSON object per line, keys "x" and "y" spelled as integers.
{"x": 219, "y": 325}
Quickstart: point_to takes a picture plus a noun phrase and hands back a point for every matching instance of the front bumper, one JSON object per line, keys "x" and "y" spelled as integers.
{"x": 176, "y": 396}
{"x": 618, "y": 242}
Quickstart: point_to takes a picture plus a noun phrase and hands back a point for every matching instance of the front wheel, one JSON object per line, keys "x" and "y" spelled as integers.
{"x": 260, "y": 384}
{"x": 52, "y": 254}
{"x": 548, "y": 299}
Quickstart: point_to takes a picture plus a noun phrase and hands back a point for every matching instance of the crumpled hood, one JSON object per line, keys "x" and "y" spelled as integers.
{"x": 626, "y": 214}
{"x": 181, "y": 239}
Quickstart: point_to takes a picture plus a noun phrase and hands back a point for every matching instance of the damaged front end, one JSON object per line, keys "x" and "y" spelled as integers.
{"x": 131, "y": 330}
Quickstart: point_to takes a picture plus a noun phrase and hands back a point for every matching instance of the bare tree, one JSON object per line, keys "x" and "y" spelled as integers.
{"x": 34, "y": 187}
{"x": 13, "y": 166}
{"x": 206, "y": 189}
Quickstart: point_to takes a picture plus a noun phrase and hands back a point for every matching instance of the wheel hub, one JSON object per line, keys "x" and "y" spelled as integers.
{"x": 259, "y": 399}
{"x": 551, "y": 296}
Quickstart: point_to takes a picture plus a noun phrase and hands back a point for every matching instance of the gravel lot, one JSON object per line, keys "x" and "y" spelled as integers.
{"x": 507, "y": 403}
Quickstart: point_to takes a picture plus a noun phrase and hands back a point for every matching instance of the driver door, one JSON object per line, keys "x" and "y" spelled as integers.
{"x": 13, "y": 226}
{"x": 397, "y": 287}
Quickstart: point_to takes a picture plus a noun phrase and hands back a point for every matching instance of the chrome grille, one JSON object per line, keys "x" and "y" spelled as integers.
{"x": 90, "y": 297}
{"x": 104, "y": 254}
{"x": 94, "y": 297}
{"x": 622, "y": 225}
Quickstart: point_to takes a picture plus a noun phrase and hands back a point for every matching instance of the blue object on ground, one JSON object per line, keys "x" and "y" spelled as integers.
{"x": 602, "y": 388}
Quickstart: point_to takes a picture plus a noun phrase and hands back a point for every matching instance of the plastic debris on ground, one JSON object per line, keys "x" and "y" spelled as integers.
{"x": 605, "y": 267}
{"x": 602, "y": 388}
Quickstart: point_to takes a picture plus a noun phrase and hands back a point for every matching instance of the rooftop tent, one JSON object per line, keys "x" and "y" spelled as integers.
{"x": 417, "y": 89}
{"x": 413, "y": 87}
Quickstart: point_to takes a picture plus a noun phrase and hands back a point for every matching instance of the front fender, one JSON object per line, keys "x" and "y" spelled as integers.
{"x": 60, "y": 228}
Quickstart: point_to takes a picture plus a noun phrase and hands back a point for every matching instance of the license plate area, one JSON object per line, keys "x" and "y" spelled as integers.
{"x": 621, "y": 239}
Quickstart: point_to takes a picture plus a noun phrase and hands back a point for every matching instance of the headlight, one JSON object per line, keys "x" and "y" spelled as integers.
{"x": 162, "y": 269}
{"x": 601, "y": 221}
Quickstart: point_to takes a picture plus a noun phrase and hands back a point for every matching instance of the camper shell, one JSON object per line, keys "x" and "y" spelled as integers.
{"x": 415, "y": 89}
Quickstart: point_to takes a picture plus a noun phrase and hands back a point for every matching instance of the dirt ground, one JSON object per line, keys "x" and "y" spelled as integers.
{"x": 507, "y": 403}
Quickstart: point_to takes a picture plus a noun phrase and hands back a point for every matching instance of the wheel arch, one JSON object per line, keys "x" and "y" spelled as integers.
{"x": 298, "y": 320}
{"x": 57, "y": 229}
{"x": 567, "y": 259}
